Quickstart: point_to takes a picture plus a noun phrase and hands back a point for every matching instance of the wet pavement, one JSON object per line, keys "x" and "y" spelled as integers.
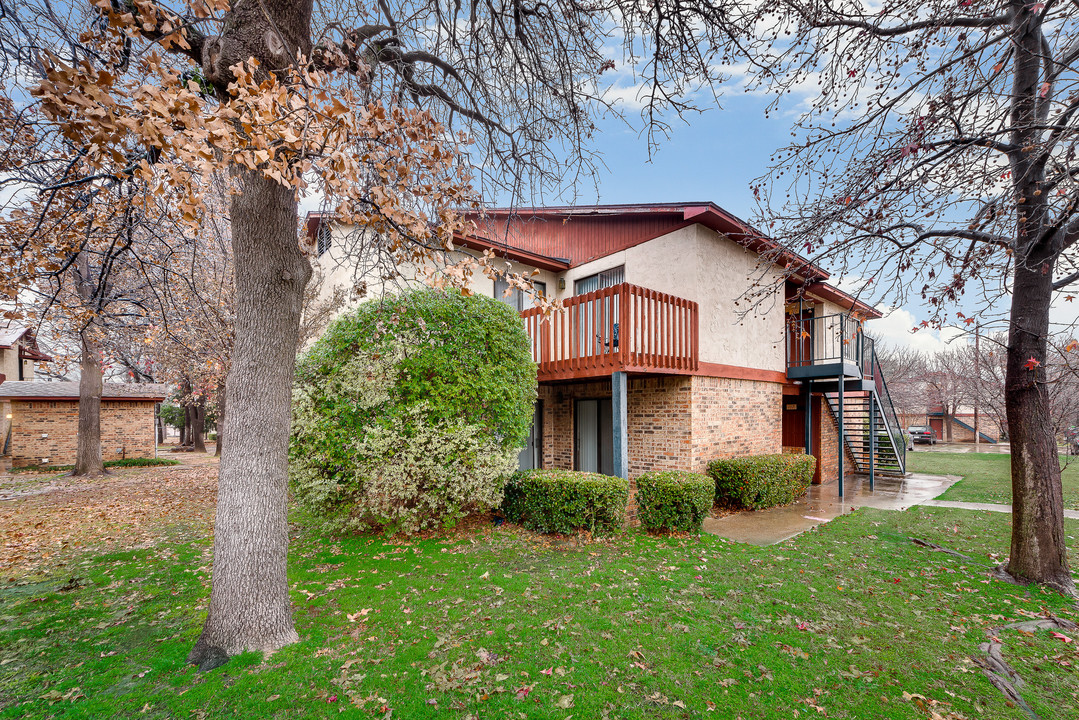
{"x": 822, "y": 503}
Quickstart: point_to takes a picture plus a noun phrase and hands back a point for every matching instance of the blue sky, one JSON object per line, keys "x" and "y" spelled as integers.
{"x": 716, "y": 156}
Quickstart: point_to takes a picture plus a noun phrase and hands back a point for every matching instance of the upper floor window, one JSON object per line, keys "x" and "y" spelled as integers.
{"x": 515, "y": 298}
{"x": 323, "y": 239}
{"x": 600, "y": 280}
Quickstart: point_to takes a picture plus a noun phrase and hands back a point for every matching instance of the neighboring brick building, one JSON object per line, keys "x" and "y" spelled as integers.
{"x": 655, "y": 360}
{"x": 41, "y": 421}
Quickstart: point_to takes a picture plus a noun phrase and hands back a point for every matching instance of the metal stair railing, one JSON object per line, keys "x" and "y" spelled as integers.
{"x": 888, "y": 414}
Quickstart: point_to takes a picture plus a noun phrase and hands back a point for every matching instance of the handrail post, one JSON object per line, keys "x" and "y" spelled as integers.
{"x": 624, "y": 332}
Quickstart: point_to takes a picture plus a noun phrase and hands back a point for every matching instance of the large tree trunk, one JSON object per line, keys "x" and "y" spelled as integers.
{"x": 1038, "y": 549}
{"x": 220, "y": 420}
{"x": 1038, "y": 552}
{"x": 198, "y": 424}
{"x": 249, "y": 602}
{"x": 88, "y": 458}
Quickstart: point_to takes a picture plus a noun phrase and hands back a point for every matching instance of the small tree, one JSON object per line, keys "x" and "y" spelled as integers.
{"x": 409, "y": 412}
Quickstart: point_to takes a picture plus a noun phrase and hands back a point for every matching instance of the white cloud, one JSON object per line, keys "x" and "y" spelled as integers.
{"x": 895, "y": 330}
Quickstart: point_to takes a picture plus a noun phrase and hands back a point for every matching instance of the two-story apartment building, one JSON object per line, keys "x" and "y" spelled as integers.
{"x": 658, "y": 361}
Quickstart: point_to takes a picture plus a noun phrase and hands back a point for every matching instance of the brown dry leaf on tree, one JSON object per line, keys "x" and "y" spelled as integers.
{"x": 48, "y": 520}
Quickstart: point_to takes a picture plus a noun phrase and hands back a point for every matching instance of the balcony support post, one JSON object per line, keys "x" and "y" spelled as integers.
{"x": 808, "y": 394}
{"x": 872, "y": 440}
{"x": 620, "y": 422}
{"x": 841, "y": 431}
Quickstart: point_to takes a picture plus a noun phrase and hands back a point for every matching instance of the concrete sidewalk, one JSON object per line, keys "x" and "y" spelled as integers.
{"x": 822, "y": 503}
{"x": 991, "y": 507}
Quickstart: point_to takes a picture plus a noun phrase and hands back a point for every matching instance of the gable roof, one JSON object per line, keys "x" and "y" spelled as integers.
{"x": 584, "y": 233}
{"x": 69, "y": 390}
{"x": 557, "y": 238}
{"x": 574, "y": 235}
{"x": 12, "y": 333}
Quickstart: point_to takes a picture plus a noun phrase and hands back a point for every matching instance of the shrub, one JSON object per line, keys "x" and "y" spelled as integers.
{"x": 762, "y": 481}
{"x": 408, "y": 412}
{"x": 674, "y": 500}
{"x": 125, "y": 462}
{"x": 564, "y": 501}
{"x": 140, "y": 462}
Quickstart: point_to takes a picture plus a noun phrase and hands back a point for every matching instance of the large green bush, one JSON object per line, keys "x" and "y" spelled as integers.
{"x": 762, "y": 481}
{"x": 565, "y": 501}
{"x": 409, "y": 411}
{"x": 674, "y": 500}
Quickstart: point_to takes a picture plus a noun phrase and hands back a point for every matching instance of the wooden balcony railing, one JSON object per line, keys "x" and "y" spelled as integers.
{"x": 622, "y": 327}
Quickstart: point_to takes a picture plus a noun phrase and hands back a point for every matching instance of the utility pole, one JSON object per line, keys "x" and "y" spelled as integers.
{"x": 977, "y": 381}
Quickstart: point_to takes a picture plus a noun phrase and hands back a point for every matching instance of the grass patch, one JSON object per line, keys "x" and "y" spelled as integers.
{"x": 502, "y": 624}
{"x": 987, "y": 476}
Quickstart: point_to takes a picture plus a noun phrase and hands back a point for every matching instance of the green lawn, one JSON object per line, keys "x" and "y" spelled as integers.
{"x": 987, "y": 476}
{"x": 850, "y": 621}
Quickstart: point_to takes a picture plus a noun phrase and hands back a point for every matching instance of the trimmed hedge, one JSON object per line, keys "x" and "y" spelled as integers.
{"x": 141, "y": 462}
{"x": 674, "y": 500}
{"x": 126, "y": 462}
{"x": 762, "y": 481}
{"x": 565, "y": 501}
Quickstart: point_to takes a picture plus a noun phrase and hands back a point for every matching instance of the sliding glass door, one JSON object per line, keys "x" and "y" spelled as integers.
{"x": 593, "y": 436}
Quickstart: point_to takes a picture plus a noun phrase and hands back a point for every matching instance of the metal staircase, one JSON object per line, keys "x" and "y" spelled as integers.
{"x": 832, "y": 356}
{"x": 870, "y": 425}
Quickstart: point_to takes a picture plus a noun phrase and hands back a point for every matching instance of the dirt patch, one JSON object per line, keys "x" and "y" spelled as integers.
{"x": 46, "y": 518}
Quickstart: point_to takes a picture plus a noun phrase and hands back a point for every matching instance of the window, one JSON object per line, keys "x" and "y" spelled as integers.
{"x": 516, "y": 299}
{"x": 600, "y": 280}
{"x": 323, "y": 239}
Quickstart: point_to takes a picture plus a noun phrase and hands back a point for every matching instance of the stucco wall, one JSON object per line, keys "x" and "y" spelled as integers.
{"x": 9, "y": 364}
{"x": 701, "y": 265}
{"x": 342, "y": 268}
{"x": 46, "y": 432}
{"x": 694, "y": 262}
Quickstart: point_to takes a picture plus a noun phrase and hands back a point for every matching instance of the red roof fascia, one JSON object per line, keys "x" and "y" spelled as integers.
{"x": 26, "y": 353}
{"x": 829, "y": 292}
{"x": 509, "y": 252}
{"x": 712, "y": 216}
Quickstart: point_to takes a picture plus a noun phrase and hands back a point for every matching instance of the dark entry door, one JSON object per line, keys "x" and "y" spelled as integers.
{"x": 800, "y": 338}
{"x": 794, "y": 421}
{"x": 593, "y": 436}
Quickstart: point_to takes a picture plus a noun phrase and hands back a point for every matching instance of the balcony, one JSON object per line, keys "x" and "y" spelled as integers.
{"x": 619, "y": 328}
{"x": 828, "y": 347}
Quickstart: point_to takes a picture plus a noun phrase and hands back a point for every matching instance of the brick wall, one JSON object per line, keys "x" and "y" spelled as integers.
{"x": 127, "y": 430}
{"x": 660, "y": 424}
{"x": 658, "y": 413}
{"x": 827, "y": 454}
{"x": 675, "y": 422}
{"x": 732, "y": 418}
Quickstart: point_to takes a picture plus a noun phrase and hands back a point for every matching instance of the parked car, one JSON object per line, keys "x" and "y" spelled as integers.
{"x": 922, "y": 434}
